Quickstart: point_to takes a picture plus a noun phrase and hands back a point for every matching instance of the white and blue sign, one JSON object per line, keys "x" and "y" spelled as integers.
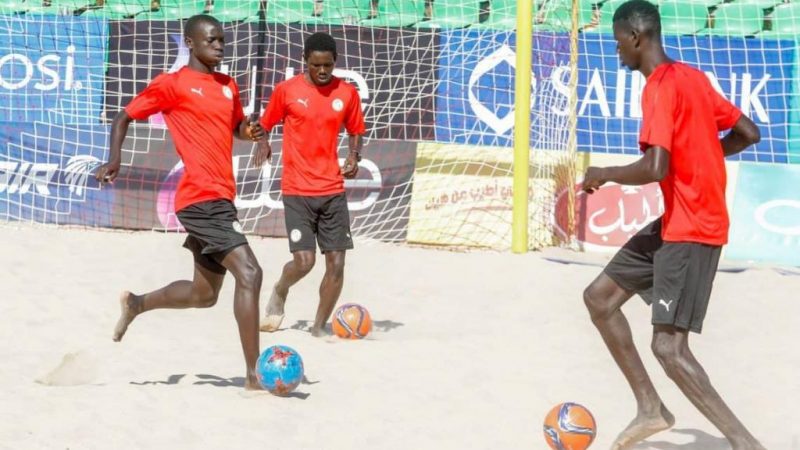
{"x": 52, "y": 69}
{"x": 475, "y": 97}
{"x": 755, "y": 74}
{"x": 46, "y": 174}
{"x": 765, "y": 221}
{"x": 475, "y": 94}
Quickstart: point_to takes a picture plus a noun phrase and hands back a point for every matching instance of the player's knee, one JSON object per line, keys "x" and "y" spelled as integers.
{"x": 594, "y": 301}
{"x": 250, "y": 275}
{"x": 304, "y": 262}
{"x": 666, "y": 351}
{"x": 205, "y": 298}
{"x": 335, "y": 269}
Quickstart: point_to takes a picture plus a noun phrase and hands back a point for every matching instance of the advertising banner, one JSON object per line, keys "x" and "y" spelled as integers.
{"x": 463, "y": 196}
{"x": 765, "y": 223}
{"x": 755, "y": 74}
{"x": 46, "y": 174}
{"x": 51, "y": 69}
{"x": 378, "y": 197}
{"x": 475, "y": 95}
{"x": 393, "y": 69}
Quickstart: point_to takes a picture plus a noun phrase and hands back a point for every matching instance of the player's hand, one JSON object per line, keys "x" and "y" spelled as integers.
{"x": 263, "y": 153}
{"x": 254, "y": 132}
{"x": 107, "y": 172}
{"x": 350, "y": 168}
{"x": 593, "y": 179}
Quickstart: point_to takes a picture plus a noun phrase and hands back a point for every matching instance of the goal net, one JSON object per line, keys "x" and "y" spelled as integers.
{"x": 436, "y": 81}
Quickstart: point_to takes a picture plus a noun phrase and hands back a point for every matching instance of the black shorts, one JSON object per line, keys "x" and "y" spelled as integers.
{"x": 214, "y": 231}
{"x": 325, "y": 217}
{"x": 675, "y": 278}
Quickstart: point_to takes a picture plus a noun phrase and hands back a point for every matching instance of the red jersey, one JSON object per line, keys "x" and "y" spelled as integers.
{"x": 312, "y": 118}
{"x": 684, "y": 114}
{"x": 201, "y": 111}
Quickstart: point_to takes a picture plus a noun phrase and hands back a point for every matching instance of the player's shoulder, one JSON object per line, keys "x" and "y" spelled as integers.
{"x": 346, "y": 86}
{"x": 289, "y": 83}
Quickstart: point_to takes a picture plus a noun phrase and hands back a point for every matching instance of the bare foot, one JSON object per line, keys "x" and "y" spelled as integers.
{"x": 319, "y": 331}
{"x": 252, "y": 384}
{"x": 274, "y": 316}
{"x": 131, "y": 307}
{"x": 642, "y": 427}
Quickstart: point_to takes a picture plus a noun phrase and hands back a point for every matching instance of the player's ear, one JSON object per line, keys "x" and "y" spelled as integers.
{"x": 188, "y": 41}
{"x": 636, "y": 37}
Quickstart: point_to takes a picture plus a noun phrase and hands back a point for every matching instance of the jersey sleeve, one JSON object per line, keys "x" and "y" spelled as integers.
{"x": 726, "y": 114}
{"x": 238, "y": 113}
{"x": 158, "y": 96}
{"x": 354, "y": 120}
{"x": 658, "y": 115}
{"x": 276, "y": 110}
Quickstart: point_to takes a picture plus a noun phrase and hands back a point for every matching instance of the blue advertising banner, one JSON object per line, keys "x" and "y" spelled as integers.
{"x": 765, "y": 222}
{"x": 46, "y": 174}
{"x": 755, "y": 74}
{"x": 52, "y": 69}
{"x": 475, "y": 96}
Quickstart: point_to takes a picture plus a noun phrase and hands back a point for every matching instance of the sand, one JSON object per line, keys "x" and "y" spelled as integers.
{"x": 469, "y": 351}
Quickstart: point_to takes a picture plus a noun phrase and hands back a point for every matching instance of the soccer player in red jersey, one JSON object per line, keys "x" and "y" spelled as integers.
{"x": 313, "y": 107}
{"x": 671, "y": 263}
{"x": 203, "y": 112}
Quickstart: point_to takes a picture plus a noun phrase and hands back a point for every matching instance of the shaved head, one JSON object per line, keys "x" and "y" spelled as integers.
{"x": 639, "y": 15}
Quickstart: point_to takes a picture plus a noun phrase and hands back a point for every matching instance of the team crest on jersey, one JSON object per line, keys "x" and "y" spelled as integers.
{"x": 227, "y": 92}
{"x": 337, "y": 105}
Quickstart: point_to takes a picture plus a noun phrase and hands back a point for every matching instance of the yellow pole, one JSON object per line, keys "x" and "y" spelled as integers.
{"x": 522, "y": 126}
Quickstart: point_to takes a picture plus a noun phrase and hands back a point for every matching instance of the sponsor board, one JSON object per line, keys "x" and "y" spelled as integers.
{"x": 475, "y": 93}
{"x": 605, "y": 220}
{"x": 51, "y": 69}
{"x": 475, "y": 96}
{"x": 463, "y": 196}
{"x": 377, "y": 198}
{"x": 392, "y": 69}
{"x": 46, "y": 174}
{"x": 765, "y": 224}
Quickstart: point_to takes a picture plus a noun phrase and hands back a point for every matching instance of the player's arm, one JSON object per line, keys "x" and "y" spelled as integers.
{"x": 355, "y": 142}
{"x": 743, "y": 134}
{"x": 651, "y": 167}
{"x": 157, "y": 96}
{"x": 274, "y": 113}
{"x": 355, "y": 126}
{"x": 119, "y": 129}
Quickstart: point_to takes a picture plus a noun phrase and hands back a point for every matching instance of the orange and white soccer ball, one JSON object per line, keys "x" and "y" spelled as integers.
{"x": 351, "y": 321}
{"x": 569, "y": 426}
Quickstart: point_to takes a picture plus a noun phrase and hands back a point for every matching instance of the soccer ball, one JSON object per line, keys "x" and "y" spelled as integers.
{"x": 569, "y": 426}
{"x": 279, "y": 369}
{"x": 351, "y": 321}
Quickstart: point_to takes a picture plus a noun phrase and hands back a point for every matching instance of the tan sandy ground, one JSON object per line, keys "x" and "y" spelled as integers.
{"x": 470, "y": 351}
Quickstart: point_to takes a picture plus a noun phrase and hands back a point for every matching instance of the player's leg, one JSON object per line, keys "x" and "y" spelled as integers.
{"x": 201, "y": 292}
{"x": 301, "y": 222}
{"x": 683, "y": 282}
{"x": 329, "y": 290}
{"x": 604, "y": 299}
{"x": 242, "y": 264}
{"x": 293, "y": 271}
{"x": 671, "y": 347}
{"x": 630, "y": 271}
{"x": 333, "y": 235}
